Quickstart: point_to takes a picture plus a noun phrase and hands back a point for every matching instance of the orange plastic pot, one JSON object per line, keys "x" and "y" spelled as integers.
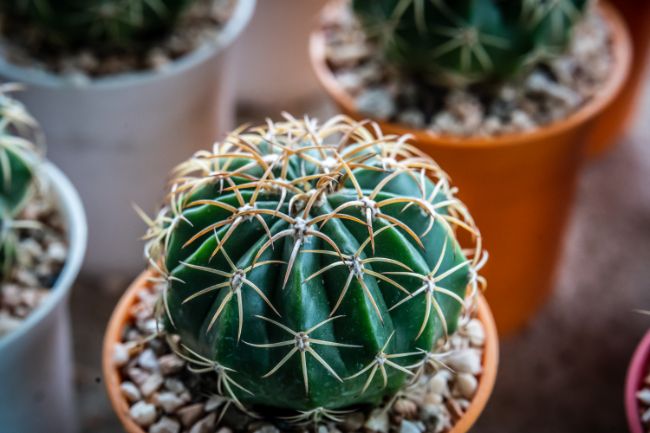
{"x": 518, "y": 187}
{"x": 122, "y": 316}
{"x": 618, "y": 116}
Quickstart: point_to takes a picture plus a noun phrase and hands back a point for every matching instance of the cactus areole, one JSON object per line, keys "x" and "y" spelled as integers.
{"x": 459, "y": 42}
{"x": 312, "y": 267}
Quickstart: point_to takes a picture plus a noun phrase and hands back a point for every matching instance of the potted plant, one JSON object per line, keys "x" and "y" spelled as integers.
{"x": 616, "y": 119}
{"x": 42, "y": 244}
{"x": 495, "y": 93}
{"x": 122, "y": 88}
{"x": 304, "y": 273}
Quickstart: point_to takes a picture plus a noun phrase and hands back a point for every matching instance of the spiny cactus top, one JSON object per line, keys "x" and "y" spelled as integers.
{"x": 457, "y": 42}
{"x": 18, "y": 156}
{"x": 312, "y": 267}
{"x": 97, "y": 24}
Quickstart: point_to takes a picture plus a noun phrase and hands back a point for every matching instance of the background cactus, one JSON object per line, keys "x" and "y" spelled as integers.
{"x": 465, "y": 41}
{"x": 310, "y": 274}
{"x": 18, "y": 153}
{"x": 97, "y": 24}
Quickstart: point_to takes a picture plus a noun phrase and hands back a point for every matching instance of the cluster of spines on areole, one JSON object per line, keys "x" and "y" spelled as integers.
{"x": 337, "y": 162}
{"x": 472, "y": 43}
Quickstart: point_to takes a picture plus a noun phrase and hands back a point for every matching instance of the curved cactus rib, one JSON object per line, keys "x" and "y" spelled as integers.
{"x": 302, "y": 345}
{"x": 357, "y": 269}
{"x": 236, "y": 281}
{"x": 430, "y": 288}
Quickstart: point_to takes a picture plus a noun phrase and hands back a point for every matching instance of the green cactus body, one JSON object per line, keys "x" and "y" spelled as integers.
{"x": 462, "y": 42}
{"x": 311, "y": 275}
{"x": 18, "y": 154}
{"x": 98, "y": 24}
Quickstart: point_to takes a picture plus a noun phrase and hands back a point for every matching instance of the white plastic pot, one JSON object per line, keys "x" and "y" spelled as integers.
{"x": 276, "y": 73}
{"x": 36, "y": 362}
{"x": 118, "y": 137}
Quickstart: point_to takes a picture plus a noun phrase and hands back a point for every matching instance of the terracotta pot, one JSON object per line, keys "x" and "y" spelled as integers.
{"x": 636, "y": 372}
{"x": 618, "y": 116}
{"x": 519, "y": 187}
{"x": 121, "y": 315}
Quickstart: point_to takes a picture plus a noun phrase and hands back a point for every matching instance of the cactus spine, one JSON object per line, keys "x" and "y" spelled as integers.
{"x": 98, "y": 24}
{"x": 18, "y": 156}
{"x": 461, "y": 42}
{"x": 311, "y": 274}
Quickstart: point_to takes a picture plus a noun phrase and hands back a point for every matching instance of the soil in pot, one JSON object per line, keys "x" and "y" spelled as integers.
{"x": 548, "y": 92}
{"x": 153, "y": 390}
{"x": 42, "y": 251}
{"x": 24, "y": 45}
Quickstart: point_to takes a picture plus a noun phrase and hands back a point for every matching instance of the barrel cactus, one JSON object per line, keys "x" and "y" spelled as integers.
{"x": 97, "y": 24}
{"x": 461, "y": 42}
{"x": 18, "y": 154}
{"x": 313, "y": 268}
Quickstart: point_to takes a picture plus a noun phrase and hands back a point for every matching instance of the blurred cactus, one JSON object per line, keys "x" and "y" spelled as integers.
{"x": 461, "y": 42}
{"x": 19, "y": 153}
{"x": 308, "y": 273}
{"x": 97, "y": 24}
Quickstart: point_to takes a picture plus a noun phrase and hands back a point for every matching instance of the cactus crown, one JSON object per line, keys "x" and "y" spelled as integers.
{"x": 312, "y": 267}
{"x": 19, "y": 153}
{"x": 99, "y": 24}
{"x": 461, "y": 42}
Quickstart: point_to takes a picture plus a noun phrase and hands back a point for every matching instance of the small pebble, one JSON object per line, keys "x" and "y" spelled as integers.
{"x": 644, "y": 396}
{"x": 120, "y": 355}
{"x": 130, "y": 391}
{"x": 466, "y": 385}
{"x": 190, "y": 414}
{"x": 151, "y": 385}
{"x": 170, "y": 364}
{"x": 411, "y": 427}
{"x": 214, "y": 402}
{"x": 143, "y": 413}
{"x": 376, "y": 102}
{"x": 377, "y": 421}
{"x": 464, "y": 361}
{"x": 169, "y": 401}
{"x": 165, "y": 425}
{"x": 205, "y": 425}
{"x": 148, "y": 360}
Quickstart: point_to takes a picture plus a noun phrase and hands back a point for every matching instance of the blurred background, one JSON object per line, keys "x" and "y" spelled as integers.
{"x": 563, "y": 373}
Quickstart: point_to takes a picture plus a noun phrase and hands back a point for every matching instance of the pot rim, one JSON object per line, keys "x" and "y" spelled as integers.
{"x": 622, "y": 53}
{"x": 635, "y": 374}
{"x": 71, "y": 208}
{"x": 121, "y": 314}
{"x": 241, "y": 15}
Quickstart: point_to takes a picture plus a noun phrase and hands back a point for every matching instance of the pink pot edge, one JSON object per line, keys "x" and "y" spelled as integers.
{"x": 635, "y": 374}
